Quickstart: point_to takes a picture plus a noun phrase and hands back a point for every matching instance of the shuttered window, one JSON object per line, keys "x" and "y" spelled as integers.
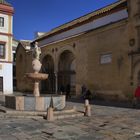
{"x": 2, "y": 50}
{"x": 1, "y": 83}
{"x": 1, "y": 21}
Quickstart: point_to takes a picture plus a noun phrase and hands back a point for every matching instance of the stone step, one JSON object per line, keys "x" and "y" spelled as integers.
{"x": 33, "y": 113}
{"x": 64, "y": 111}
{"x": 68, "y": 115}
{"x": 56, "y": 115}
{"x": 7, "y": 116}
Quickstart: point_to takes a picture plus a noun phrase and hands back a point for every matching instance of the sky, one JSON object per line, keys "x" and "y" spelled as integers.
{"x": 31, "y": 16}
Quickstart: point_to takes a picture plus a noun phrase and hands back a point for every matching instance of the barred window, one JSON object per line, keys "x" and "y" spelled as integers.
{"x": 2, "y": 50}
{"x": 1, "y": 21}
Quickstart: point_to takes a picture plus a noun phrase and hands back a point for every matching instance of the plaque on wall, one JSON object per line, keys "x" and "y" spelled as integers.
{"x": 106, "y": 58}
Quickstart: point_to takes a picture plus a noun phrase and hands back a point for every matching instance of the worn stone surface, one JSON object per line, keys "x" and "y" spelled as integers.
{"x": 31, "y": 103}
{"x": 106, "y": 123}
{"x": 19, "y": 103}
{"x": 39, "y": 103}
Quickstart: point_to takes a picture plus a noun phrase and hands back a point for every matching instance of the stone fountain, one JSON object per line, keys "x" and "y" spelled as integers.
{"x": 36, "y": 76}
{"x": 35, "y": 102}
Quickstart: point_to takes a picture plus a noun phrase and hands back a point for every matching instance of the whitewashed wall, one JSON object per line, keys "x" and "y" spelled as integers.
{"x": 89, "y": 26}
{"x": 6, "y": 68}
{"x": 5, "y": 72}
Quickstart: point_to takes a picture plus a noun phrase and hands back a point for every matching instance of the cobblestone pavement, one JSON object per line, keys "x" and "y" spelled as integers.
{"x": 106, "y": 123}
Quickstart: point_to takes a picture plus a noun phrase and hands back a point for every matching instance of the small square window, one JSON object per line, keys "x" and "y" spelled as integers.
{"x": 2, "y": 50}
{"x": 106, "y": 58}
{"x": 1, "y": 21}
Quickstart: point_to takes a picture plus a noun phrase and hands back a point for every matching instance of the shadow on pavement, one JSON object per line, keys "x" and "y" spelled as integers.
{"x": 101, "y": 102}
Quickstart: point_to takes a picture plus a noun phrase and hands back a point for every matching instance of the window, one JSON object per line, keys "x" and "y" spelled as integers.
{"x": 1, "y": 84}
{"x": 106, "y": 58}
{"x": 1, "y": 22}
{"x": 2, "y": 50}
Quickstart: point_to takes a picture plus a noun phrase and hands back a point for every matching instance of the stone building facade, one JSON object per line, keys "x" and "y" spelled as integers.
{"x": 6, "y": 35}
{"x": 100, "y": 50}
{"x": 23, "y": 66}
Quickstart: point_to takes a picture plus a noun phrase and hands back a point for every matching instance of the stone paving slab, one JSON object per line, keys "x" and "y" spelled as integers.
{"x": 106, "y": 123}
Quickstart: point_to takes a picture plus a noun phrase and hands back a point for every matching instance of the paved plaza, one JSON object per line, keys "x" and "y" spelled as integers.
{"x": 106, "y": 123}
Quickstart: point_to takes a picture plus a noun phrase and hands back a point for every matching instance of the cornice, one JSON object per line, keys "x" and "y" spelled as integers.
{"x": 6, "y": 9}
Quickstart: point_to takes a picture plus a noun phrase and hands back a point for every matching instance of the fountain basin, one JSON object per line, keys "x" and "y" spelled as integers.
{"x": 37, "y": 76}
{"x": 32, "y": 103}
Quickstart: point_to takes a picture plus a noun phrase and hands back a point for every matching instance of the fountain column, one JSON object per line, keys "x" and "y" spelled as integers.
{"x": 36, "y": 88}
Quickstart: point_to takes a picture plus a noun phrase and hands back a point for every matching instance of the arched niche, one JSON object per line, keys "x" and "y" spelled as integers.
{"x": 67, "y": 70}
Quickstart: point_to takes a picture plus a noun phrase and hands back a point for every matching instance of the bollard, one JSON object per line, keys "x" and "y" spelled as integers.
{"x": 50, "y": 115}
{"x": 86, "y": 102}
{"x": 87, "y": 108}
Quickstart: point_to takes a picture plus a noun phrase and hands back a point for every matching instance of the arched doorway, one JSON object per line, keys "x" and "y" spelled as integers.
{"x": 66, "y": 70}
{"x": 48, "y": 86}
